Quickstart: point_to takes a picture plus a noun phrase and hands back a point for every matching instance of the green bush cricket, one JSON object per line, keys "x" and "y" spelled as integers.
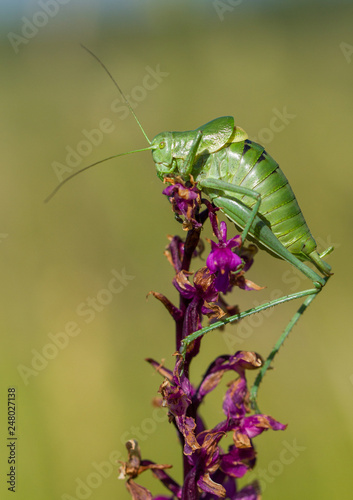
{"x": 248, "y": 186}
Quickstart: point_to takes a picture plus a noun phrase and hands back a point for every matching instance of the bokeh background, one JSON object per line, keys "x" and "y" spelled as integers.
{"x": 78, "y": 403}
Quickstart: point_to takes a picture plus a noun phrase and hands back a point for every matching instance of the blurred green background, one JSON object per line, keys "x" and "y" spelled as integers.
{"x": 78, "y": 404}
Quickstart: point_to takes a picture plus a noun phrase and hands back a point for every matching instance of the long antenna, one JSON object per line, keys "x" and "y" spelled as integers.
{"x": 86, "y": 168}
{"x": 110, "y": 157}
{"x": 119, "y": 89}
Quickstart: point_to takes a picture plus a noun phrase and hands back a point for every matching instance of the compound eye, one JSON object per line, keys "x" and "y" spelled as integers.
{"x": 162, "y": 145}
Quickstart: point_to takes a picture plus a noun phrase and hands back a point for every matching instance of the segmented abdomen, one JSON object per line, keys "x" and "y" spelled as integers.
{"x": 247, "y": 164}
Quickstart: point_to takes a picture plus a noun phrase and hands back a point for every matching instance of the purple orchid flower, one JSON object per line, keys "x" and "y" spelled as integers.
{"x": 210, "y": 470}
{"x": 221, "y": 261}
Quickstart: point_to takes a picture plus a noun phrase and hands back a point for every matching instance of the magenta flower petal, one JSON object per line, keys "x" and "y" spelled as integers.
{"x": 238, "y": 461}
{"x": 221, "y": 261}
